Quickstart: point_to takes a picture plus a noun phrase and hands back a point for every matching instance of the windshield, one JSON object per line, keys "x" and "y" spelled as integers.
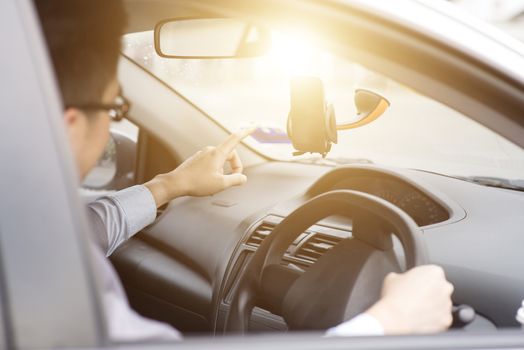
{"x": 415, "y": 132}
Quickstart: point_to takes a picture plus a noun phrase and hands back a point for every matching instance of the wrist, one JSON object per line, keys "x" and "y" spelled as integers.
{"x": 164, "y": 188}
{"x": 172, "y": 184}
{"x": 390, "y": 317}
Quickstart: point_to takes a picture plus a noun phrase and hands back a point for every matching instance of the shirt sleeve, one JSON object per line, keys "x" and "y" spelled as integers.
{"x": 361, "y": 325}
{"x": 117, "y": 217}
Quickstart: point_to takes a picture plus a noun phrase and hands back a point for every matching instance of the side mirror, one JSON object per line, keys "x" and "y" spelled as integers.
{"x": 210, "y": 38}
{"x": 312, "y": 125}
{"x": 115, "y": 169}
{"x": 369, "y": 105}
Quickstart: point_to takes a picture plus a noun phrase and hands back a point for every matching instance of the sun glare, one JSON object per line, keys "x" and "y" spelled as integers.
{"x": 294, "y": 54}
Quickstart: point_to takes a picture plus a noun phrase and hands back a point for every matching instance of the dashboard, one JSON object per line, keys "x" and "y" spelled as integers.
{"x": 420, "y": 207}
{"x": 425, "y": 209}
{"x": 184, "y": 269}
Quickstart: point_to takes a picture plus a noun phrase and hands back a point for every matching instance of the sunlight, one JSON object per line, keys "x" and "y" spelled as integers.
{"x": 294, "y": 54}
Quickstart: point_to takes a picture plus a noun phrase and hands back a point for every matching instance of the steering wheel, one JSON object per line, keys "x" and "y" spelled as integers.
{"x": 345, "y": 281}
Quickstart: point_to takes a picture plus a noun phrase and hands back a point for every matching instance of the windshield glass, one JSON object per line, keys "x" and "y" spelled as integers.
{"x": 415, "y": 132}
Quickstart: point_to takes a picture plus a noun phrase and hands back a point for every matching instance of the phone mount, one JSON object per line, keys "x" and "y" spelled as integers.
{"x": 312, "y": 125}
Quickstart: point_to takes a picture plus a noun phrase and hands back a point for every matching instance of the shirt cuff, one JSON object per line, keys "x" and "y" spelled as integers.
{"x": 361, "y": 325}
{"x": 138, "y": 204}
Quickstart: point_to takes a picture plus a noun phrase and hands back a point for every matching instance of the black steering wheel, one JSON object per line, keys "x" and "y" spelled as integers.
{"x": 345, "y": 281}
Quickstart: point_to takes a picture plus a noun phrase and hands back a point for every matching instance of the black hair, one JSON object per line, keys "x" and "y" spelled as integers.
{"x": 83, "y": 38}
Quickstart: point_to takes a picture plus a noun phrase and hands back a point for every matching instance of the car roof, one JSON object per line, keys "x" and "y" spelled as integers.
{"x": 447, "y": 23}
{"x": 436, "y": 19}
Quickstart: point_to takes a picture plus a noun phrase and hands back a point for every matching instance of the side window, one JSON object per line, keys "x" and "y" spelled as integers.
{"x": 116, "y": 168}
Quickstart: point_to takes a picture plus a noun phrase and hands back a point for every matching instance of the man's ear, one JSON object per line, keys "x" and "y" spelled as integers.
{"x": 76, "y": 124}
{"x": 75, "y": 121}
{"x": 71, "y": 116}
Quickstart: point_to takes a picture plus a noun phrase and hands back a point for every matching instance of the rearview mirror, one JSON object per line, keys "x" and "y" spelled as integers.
{"x": 210, "y": 38}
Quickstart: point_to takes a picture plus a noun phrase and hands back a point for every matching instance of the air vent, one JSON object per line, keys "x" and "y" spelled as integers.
{"x": 316, "y": 246}
{"x": 261, "y": 232}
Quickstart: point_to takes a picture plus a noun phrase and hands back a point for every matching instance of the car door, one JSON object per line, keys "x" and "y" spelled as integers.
{"x": 49, "y": 292}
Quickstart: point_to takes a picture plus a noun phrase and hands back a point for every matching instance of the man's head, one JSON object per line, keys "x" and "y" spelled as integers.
{"x": 83, "y": 38}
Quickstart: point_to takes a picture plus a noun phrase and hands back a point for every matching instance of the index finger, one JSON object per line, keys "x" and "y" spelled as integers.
{"x": 233, "y": 140}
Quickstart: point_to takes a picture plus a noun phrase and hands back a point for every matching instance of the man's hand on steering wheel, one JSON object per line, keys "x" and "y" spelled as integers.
{"x": 417, "y": 301}
{"x": 353, "y": 277}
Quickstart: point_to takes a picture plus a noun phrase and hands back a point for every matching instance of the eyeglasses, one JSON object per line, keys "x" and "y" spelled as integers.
{"x": 117, "y": 110}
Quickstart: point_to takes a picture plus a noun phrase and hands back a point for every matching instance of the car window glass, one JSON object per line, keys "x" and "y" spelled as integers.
{"x": 415, "y": 132}
{"x": 112, "y": 162}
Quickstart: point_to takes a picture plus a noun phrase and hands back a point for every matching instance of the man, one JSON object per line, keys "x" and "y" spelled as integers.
{"x": 83, "y": 37}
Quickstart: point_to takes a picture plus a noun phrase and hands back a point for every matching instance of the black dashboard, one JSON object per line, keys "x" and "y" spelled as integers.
{"x": 419, "y": 206}
{"x": 184, "y": 268}
{"x": 423, "y": 206}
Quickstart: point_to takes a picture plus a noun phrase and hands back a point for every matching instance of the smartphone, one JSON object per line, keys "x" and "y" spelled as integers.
{"x": 308, "y": 118}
